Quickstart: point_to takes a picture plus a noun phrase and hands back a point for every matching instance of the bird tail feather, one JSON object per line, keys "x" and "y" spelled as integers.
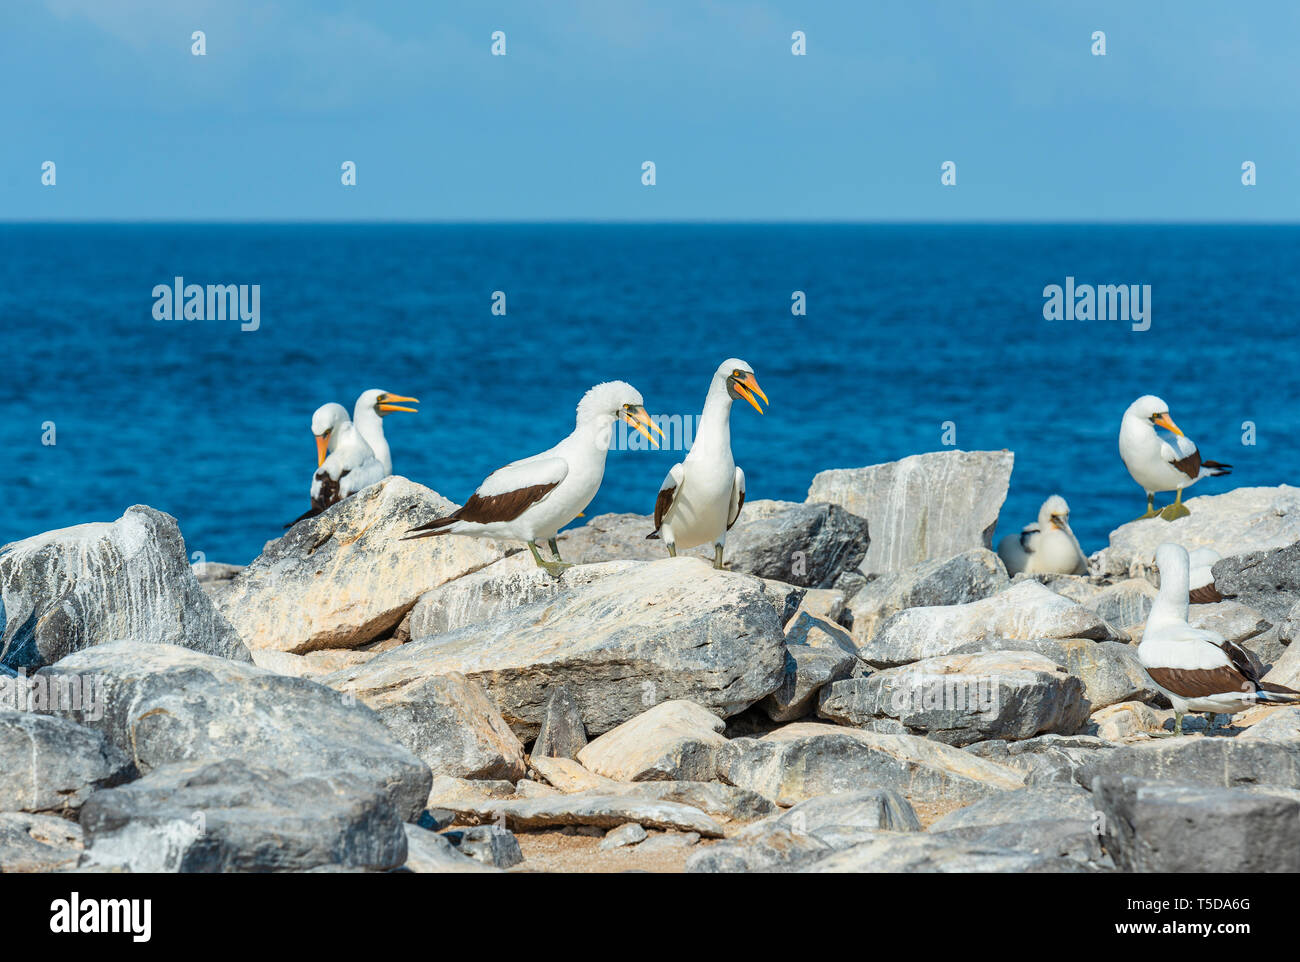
{"x": 431, "y": 529}
{"x": 653, "y": 535}
{"x": 1274, "y": 693}
{"x": 1214, "y": 469}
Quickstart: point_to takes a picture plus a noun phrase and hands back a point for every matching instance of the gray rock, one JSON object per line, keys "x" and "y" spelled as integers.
{"x": 842, "y": 819}
{"x": 162, "y": 704}
{"x": 1289, "y": 630}
{"x": 1124, "y": 604}
{"x": 810, "y": 544}
{"x": 1286, "y": 669}
{"x": 487, "y": 844}
{"x": 1047, "y": 759}
{"x": 804, "y": 760}
{"x": 1238, "y": 522}
{"x": 914, "y": 853}
{"x": 562, "y": 734}
{"x": 923, "y": 507}
{"x": 1217, "y": 762}
{"x": 1055, "y": 802}
{"x": 237, "y": 816}
{"x": 635, "y": 635}
{"x": 779, "y": 850}
{"x": 1234, "y": 621}
{"x": 430, "y": 853}
{"x": 969, "y": 576}
{"x": 53, "y": 765}
{"x": 38, "y": 843}
{"x": 724, "y": 801}
{"x": 345, "y": 577}
{"x": 1110, "y": 670}
{"x": 673, "y": 741}
{"x": 587, "y": 808}
{"x": 785, "y": 598}
{"x": 1154, "y": 826}
{"x": 960, "y": 699}
{"x": 66, "y": 590}
{"x": 1267, "y": 580}
{"x": 629, "y": 834}
{"x": 448, "y": 722}
{"x": 1266, "y": 649}
{"x": 1280, "y": 724}
{"x": 1054, "y": 838}
{"x": 667, "y": 841}
{"x": 1026, "y": 611}
{"x": 807, "y": 671}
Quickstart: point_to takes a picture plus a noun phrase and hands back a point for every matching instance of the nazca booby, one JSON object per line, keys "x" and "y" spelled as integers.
{"x": 1157, "y": 464}
{"x": 702, "y": 495}
{"x": 368, "y": 414}
{"x": 345, "y": 463}
{"x": 1198, "y": 670}
{"x": 1201, "y": 589}
{"x": 532, "y": 499}
{"x": 1046, "y": 547}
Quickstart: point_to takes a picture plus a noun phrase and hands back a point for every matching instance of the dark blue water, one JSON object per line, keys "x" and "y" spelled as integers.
{"x": 907, "y": 327}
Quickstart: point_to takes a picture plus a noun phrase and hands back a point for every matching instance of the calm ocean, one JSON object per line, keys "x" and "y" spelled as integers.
{"x": 907, "y": 327}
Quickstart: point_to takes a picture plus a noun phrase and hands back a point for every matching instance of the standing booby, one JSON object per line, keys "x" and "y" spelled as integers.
{"x": 534, "y": 498}
{"x": 345, "y": 463}
{"x": 1046, "y": 547}
{"x": 1157, "y": 464}
{"x": 368, "y": 414}
{"x": 1201, "y": 590}
{"x": 1198, "y": 670}
{"x": 702, "y": 496}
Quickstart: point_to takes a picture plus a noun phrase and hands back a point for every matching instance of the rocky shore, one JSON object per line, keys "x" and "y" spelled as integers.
{"x": 864, "y": 689}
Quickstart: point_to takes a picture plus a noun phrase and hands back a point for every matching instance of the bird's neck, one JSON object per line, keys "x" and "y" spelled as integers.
{"x": 1171, "y": 605}
{"x": 715, "y": 422}
{"x": 371, "y": 426}
{"x": 592, "y": 435}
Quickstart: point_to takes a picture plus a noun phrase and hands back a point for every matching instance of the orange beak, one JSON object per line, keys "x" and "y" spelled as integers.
{"x": 388, "y": 403}
{"x": 322, "y": 447}
{"x": 1166, "y": 422}
{"x": 747, "y": 387}
{"x": 639, "y": 418}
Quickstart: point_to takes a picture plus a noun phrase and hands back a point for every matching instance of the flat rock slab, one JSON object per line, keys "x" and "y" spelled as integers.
{"x": 1025, "y": 611}
{"x": 913, "y": 853}
{"x": 38, "y": 843}
{"x": 1110, "y": 670}
{"x": 346, "y": 577}
{"x": 429, "y": 853}
{"x": 1237, "y": 522}
{"x": 53, "y": 765}
{"x": 777, "y": 850}
{"x": 162, "y": 704}
{"x": 1155, "y": 826}
{"x": 1047, "y": 759}
{"x": 1055, "y": 802}
{"x": 961, "y": 699}
{"x": 1217, "y": 761}
{"x": 963, "y": 578}
{"x": 673, "y": 741}
{"x": 69, "y": 589}
{"x": 924, "y": 507}
{"x": 841, "y": 819}
{"x": 234, "y": 816}
{"x": 637, "y": 635}
{"x": 598, "y": 810}
{"x": 805, "y": 759}
{"x": 1267, "y": 580}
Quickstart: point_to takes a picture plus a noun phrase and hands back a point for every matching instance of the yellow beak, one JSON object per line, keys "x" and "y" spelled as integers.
{"x": 640, "y": 419}
{"x": 747, "y": 384}
{"x": 1166, "y": 422}
{"x": 387, "y": 405}
{"x": 322, "y": 446}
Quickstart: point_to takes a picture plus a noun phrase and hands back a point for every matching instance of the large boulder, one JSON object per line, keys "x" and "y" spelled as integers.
{"x": 808, "y": 668}
{"x": 1054, "y": 802}
{"x": 1024, "y": 611}
{"x": 969, "y": 576}
{"x": 160, "y": 704}
{"x": 924, "y": 507}
{"x": 673, "y": 741}
{"x": 1268, "y": 581}
{"x": 235, "y": 816}
{"x": 52, "y": 764}
{"x": 806, "y": 759}
{"x": 66, "y": 590}
{"x": 1161, "y": 826}
{"x": 961, "y": 699}
{"x": 1212, "y": 762}
{"x": 911, "y": 853}
{"x": 622, "y": 639}
{"x": 1240, "y": 521}
{"x": 346, "y": 576}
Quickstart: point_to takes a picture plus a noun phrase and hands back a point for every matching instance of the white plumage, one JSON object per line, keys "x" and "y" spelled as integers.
{"x": 1161, "y": 464}
{"x": 1046, "y": 547}
{"x": 368, "y": 416}
{"x": 345, "y": 462}
{"x": 701, "y": 497}
{"x": 531, "y": 499}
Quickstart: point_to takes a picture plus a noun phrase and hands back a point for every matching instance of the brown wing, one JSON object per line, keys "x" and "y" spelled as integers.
{"x": 739, "y": 504}
{"x": 329, "y": 490}
{"x": 663, "y": 503}
{"x": 1190, "y": 465}
{"x": 1200, "y": 682}
{"x": 1204, "y": 595}
{"x": 505, "y": 506}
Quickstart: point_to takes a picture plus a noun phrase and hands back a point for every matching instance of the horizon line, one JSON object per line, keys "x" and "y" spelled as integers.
{"x": 631, "y": 222}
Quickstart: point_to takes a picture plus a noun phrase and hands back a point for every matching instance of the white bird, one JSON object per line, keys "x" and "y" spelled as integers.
{"x": 1046, "y": 547}
{"x": 1198, "y": 670}
{"x": 702, "y": 496}
{"x": 368, "y": 414}
{"x": 345, "y": 463}
{"x": 534, "y": 498}
{"x": 1201, "y": 589}
{"x": 1158, "y": 464}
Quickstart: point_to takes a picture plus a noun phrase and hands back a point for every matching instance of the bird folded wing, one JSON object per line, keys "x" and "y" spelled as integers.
{"x": 737, "y": 498}
{"x": 1182, "y": 454}
{"x": 1201, "y": 682}
{"x": 668, "y": 493}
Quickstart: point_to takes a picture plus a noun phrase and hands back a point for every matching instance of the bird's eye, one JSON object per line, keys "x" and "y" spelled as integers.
{"x": 736, "y": 374}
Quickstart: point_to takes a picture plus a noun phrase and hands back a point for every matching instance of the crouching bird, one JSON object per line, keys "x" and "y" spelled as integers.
{"x": 532, "y": 499}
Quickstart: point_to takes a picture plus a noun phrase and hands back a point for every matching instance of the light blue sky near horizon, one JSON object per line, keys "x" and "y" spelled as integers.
{"x": 739, "y": 128}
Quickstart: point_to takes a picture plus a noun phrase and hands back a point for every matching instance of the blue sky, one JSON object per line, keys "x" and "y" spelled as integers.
{"x": 738, "y": 127}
